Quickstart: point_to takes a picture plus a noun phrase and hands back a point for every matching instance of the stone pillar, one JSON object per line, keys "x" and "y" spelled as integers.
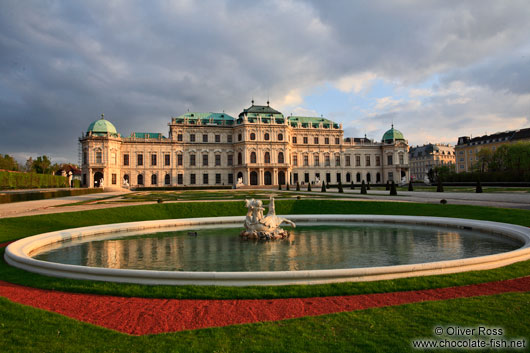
{"x": 89, "y": 180}
{"x": 275, "y": 177}
{"x": 247, "y": 180}
{"x": 261, "y": 179}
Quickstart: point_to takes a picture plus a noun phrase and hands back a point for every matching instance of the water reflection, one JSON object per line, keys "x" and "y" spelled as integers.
{"x": 308, "y": 248}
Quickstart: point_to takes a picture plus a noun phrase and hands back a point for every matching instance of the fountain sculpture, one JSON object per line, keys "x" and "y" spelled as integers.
{"x": 264, "y": 228}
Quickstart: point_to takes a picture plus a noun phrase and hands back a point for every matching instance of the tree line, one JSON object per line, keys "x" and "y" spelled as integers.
{"x": 39, "y": 165}
{"x": 509, "y": 162}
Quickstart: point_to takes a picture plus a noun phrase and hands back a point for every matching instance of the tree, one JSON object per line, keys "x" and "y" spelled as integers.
{"x": 431, "y": 175}
{"x": 279, "y": 186}
{"x": 29, "y": 165}
{"x": 287, "y": 187}
{"x": 8, "y": 163}
{"x": 323, "y": 186}
{"x": 308, "y": 186}
{"x": 297, "y": 186}
{"x": 363, "y": 188}
{"x": 387, "y": 187}
{"x": 352, "y": 185}
{"x": 340, "y": 187}
{"x": 367, "y": 185}
{"x": 485, "y": 156}
{"x": 42, "y": 165}
{"x": 410, "y": 186}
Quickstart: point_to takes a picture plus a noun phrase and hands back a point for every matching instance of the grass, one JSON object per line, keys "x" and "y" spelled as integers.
{"x": 389, "y": 329}
{"x": 14, "y": 228}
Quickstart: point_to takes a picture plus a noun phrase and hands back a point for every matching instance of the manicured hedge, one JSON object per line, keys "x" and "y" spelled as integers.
{"x": 44, "y": 195}
{"x": 20, "y": 180}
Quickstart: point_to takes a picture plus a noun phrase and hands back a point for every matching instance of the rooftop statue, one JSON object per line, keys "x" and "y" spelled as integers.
{"x": 266, "y": 228}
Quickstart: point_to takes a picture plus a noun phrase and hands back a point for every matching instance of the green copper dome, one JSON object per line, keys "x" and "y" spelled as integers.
{"x": 393, "y": 135}
{"x": 101, "y": 127}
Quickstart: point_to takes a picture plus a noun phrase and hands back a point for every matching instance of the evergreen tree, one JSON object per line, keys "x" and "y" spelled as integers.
{"x": 478, "y": 190}
{"x": 440, "y": 187}
{"x": 352, "y": 185}
{"x": 393, "y": 189}
{"x": 340, "y": 187}
{"x": 387, "y": 187}
{"x": 287, "y": 187}
{"x": 308, "y": 186}
{"x": 323, "y": 186}
{"x": 8, "y": 163}
{"x": 363, "y": 188}
{"x": 410, "y": 186}
{"x": 297, "y": 186}
{"x": 279, "y": 186}
{"x": 367, "y": 185}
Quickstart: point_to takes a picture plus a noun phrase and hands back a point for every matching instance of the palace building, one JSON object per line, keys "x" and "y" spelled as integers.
{"x": 259, "y": 147}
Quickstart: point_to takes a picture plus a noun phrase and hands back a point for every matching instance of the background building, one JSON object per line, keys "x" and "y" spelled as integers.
{"x": 467, "y": 148}
{"x": 260, "y": 147}
{"x": 426, "y": 157}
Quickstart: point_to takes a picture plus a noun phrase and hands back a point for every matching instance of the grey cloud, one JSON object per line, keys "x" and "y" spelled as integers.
{"x": 65, "y": 62}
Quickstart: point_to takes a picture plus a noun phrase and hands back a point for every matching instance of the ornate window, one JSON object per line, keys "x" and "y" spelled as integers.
{"x": 280, "y": 137}
{"x": 253, "y": 157}
{"x": 239, "y": 158}
{"x": 267, "y": 157}
{"x": 266, "y": 137}
{"x": 280, "y": 158}
{"x": 140, "y": 179}
{"x": 99, "y": 156}
{"x": 316, "y": 160}
{"x": 167, "y": 179}
{"x": 153, "y": 179}
{"x": 252, "y": 136}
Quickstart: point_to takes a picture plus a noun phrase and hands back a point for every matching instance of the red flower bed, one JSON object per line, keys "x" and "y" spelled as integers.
{"x": 140, "y": 316}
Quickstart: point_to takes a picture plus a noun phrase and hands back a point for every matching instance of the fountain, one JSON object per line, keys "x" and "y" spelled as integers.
{"x": 264, "y": 228}
{"x": 322, "y": 249}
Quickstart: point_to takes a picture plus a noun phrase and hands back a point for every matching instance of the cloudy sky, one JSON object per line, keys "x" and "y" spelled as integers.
{"x": 436, "y": 69}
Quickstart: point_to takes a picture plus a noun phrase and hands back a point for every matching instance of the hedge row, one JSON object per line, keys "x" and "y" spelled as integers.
{"x": 44, "y": 195}
{"x": 508, "y": 176}
{"x": 19, "y": 180}
{"x": 170, "y": 188}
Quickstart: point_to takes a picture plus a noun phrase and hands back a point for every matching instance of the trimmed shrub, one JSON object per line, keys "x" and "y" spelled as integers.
{"x": 363, "y": 188}
{"x": 478, "y": 190}
{"x": 297, "y": 186}
{"x": 279, "y": 186}
{"x": 393, "y": 189}
{"x": 340, "y": 187}
{"x": 410, "y": 186}
{"x": 308, "y": 186}
{"x": 352, "y": 185}
{"x": 387, "y": 187}
{"x": 440, "y": 187}
{"x": 20, "y": 180}
{"x": 367, "y": 185}
{"x": 323, "y": 186}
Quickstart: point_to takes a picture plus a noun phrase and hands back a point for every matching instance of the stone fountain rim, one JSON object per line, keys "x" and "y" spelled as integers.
{"x": 17, "y": 254}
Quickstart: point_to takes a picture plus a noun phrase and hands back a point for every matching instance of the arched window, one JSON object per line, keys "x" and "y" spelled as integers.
{"x": 280, "y": 137}
{"x": 368, "y": 177}
{"x": 280, "y": 158}
{"x": 378, "y": 177}
{"x": 239, "y": 159}
{"x": 266, "y": 137}
{"x": 267, "y": 157}
{"x": 252, "y": 136}
{"x": 99, "y": 156}
{"x": 358, "y": 177}
{"x": 153, "y": 179}
{"x": 140, "y": 179}
{"x": 348, "y": 177}
{"x": 167, "y": 179}
{"x": 253, "y": 157}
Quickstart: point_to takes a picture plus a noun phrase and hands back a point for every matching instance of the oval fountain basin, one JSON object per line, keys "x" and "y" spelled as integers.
{"x": 322, "y": 249}
{"x": 309, "y": 247}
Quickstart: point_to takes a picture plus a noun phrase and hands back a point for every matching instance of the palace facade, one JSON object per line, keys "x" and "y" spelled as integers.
{"x": 260, "y": 147}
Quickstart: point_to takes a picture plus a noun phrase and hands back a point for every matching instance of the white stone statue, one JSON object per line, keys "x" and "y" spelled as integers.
{"x": 70, "y": 176}
{"x": 125, "y": 183}
{"x": 239, "y": 183}
{"x": 426, "y": 180}
{"x": 265, "y": 228}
